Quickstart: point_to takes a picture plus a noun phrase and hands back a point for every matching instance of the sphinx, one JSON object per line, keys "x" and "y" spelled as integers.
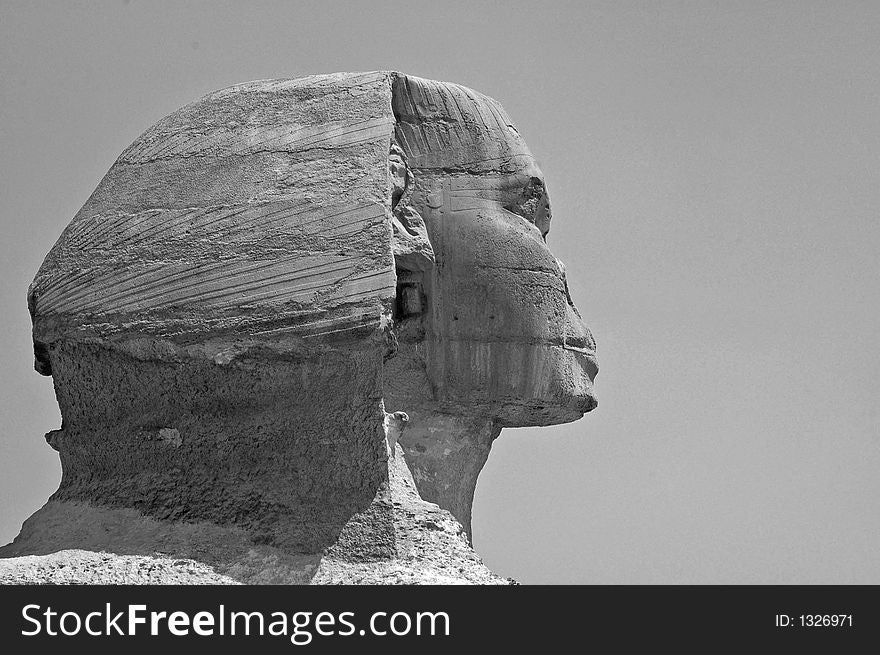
{"x": 289, "y": 323}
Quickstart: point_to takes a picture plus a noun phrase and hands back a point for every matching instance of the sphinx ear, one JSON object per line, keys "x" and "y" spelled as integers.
{"x": 410, "y": 243}
{"x": 413, "y": 263}
{"x": 413, "y": 253}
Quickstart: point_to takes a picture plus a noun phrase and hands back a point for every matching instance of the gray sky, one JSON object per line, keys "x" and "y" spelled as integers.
{"x": 715, "y": 175}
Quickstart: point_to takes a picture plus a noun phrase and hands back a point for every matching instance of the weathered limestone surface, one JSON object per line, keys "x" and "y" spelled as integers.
{"x": 256, "y": 280}
{"x": 87, "y": 567}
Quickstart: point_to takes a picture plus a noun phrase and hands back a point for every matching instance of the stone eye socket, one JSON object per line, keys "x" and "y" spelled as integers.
{"x": 533, "y": 204}
{"x": 534, "y": 188}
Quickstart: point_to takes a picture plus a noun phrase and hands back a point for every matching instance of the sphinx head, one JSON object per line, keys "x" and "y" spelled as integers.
{"x": 266, "y": 270}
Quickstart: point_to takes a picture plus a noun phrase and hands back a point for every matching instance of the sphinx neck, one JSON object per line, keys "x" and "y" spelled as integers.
{"x": 446, "y": 453}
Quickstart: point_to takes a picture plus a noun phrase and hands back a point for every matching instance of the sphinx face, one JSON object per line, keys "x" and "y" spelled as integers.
{"x": 501, "y": 331}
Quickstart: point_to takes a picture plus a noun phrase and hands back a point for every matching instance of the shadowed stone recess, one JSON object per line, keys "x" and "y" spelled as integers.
{"x": 284, "y": 332}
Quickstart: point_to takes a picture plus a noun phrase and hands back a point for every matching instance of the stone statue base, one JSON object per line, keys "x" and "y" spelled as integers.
{"x": 72, "y": 542}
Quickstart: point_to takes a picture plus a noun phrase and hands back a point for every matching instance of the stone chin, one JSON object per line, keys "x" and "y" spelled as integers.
{"x": 258, "y": 278}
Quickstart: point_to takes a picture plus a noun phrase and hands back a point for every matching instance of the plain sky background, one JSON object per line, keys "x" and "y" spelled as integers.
{"x": 714, "y": 169}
